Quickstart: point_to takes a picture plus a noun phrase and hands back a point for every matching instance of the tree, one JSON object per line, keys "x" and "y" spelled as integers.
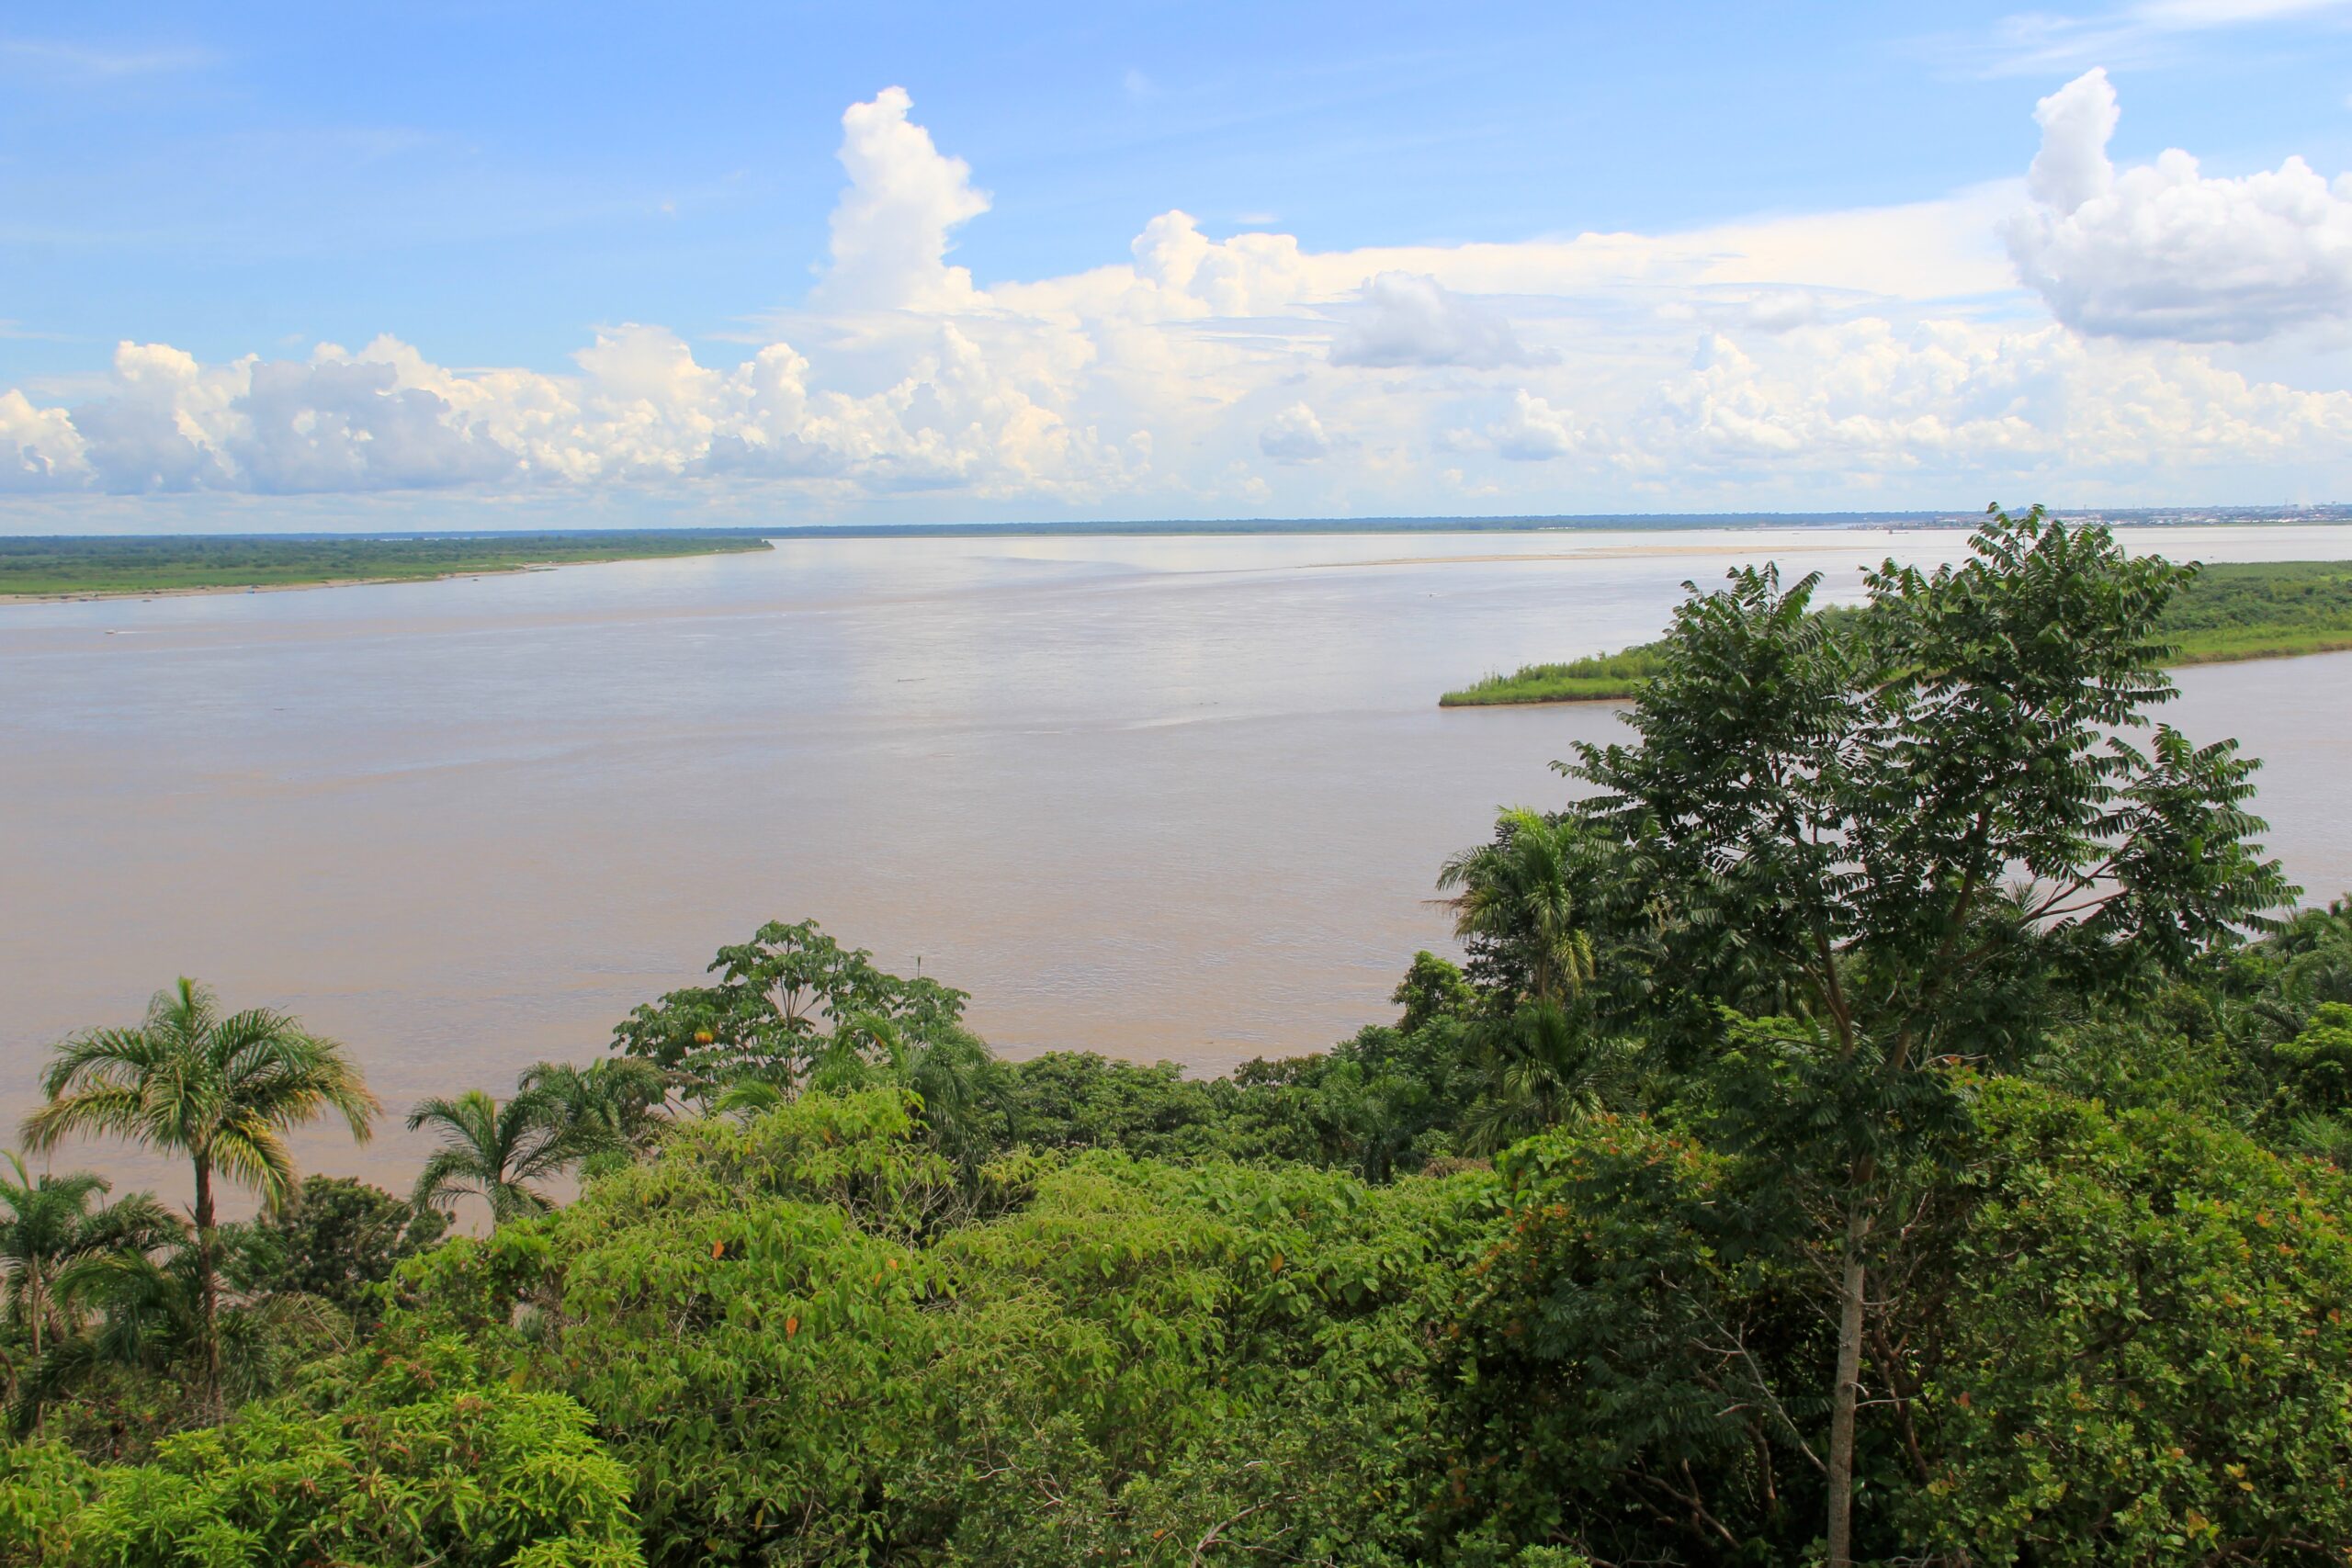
{"x": 800, "y": 1363}
{"x": 2316, "y": 1064}
{"x": 1831, "y": 809}
{"x": 786, "y": 1003}
{"x": 469, "y": 1477}
{"x": 609, "y": 1107}
{"x": 2145, "y": 1349}
{"x": 1517, "y": 902}
{"x": 1432, "y": 988}
{"x": 493, "y": 1151}
{"x": 141, "y": 1314}
{"x": 1541, "y": 1068}
{"x": 2124, "y": 1342}
{"x": 337, "y": 1238}
{"x": 219, "y": 1089}
{"x": 47, "y": 1227}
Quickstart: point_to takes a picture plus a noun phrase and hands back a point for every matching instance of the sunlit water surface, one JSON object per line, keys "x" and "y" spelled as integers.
{"x": 1163, "y": 798}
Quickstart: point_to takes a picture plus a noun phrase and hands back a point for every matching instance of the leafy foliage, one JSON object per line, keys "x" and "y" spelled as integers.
{"x": 787, "y": 1002}
{"x": 336, "y": 1239}
{"x": 2146, "y": 1355}
{"x": 53, "y": 1231}
{"x": 797, "y": 1356}
{"x": 1829, "y": 809}
{"x": 461, "y": 1475}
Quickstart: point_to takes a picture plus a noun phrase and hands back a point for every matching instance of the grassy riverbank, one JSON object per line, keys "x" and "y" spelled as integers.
{"x": 2261, "y": 610}
{"x": 102, "y": 568}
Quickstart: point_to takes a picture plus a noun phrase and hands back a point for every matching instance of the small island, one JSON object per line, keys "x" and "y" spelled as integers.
{"x": 2258, "y": 610}
{"x": 141, "y": 565}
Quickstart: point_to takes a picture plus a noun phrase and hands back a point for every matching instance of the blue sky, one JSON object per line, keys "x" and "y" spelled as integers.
{"x": 1822, "y": 283}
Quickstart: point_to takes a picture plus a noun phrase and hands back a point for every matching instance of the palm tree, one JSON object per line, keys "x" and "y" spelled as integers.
{"x": 494, "y": 1150}
{"x": 611, "y": 1105}
{"x": 1543, "y": 1068}
{"x": 219, "y": 1089}
{"x": 47, "y": 1226}
{"x": 147, "y": 1313}
{"x": 1516, "y": 894}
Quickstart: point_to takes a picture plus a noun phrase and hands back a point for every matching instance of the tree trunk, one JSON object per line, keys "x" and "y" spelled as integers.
{"x": 1846, "y": 1394}
{"x": 37, "y": 1297}
{"x": 209, "y": 1290}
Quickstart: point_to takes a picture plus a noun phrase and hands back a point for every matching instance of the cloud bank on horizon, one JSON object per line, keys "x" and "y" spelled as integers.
{"x": 2091, "y": 332}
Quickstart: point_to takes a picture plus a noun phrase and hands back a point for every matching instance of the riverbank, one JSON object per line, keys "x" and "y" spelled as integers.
{"x": 39, "y": 569}
{"x": 2226, "y": 615}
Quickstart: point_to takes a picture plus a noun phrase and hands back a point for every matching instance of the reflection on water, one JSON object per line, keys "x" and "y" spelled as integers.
{"x": 1170, "y": 797}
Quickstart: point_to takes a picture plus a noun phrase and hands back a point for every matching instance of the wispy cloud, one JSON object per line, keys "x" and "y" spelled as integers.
{"x": 57, "y": 58}
{"x": 2150, "y": 33}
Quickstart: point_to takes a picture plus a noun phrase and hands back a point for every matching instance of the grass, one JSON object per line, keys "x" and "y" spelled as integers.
{"x": 2269, "y": 610}
{"x": 166, "y": 564}
{"x": 2266, "y": 610}
{"x": 1600, "y": 677}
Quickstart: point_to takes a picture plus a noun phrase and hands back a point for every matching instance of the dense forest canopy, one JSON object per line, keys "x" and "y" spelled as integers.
{"x": 1894, "y": 1112}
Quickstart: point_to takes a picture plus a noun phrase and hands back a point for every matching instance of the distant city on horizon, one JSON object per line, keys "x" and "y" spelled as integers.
{"x": 2332, "y": 513}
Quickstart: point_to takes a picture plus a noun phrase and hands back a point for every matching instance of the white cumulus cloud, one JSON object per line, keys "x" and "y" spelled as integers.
{"x": 890, "y": 229}
{"x": 1533, "y": 431}
{"x": 39, "y": 449}
{"x": 1295, "y": 436}
{"x": 2164, "y": 251}
{"x": 1410, "y": 320}
{"x": 1887, "y": 357}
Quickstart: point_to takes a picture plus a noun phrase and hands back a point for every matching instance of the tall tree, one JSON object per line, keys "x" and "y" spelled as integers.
{"x": 1834, "y": 806}
{"x": 219, "y": 1089}
{"x": 494, "y": 1150}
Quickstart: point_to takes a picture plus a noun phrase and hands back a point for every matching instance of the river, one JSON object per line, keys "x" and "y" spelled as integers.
{"x": 1161, "y": 797}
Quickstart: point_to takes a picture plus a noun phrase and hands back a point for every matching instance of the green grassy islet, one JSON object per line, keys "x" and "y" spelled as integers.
{"x": 2240, "y": 610}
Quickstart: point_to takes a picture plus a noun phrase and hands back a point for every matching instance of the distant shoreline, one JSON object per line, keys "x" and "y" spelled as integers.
{"x": 98, "y": 595}
{"x": 1639, "y": 521}
{"x": 81, "y": 570}
{"x": 2229, "y": 614}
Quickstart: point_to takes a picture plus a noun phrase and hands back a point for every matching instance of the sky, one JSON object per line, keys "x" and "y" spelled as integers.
{"x": 515, "y": 265}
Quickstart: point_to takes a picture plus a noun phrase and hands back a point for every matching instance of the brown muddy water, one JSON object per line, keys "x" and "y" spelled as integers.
{"x": 1174, "y": 798}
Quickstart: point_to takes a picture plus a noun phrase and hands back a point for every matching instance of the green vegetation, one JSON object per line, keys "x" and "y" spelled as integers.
{"x": 1599, "y": 677}
{"x": 2265, "y": 610}
{"x": 219, "y": 1089}
{"x": 1889, "y": 1121}
{"x": 182, "y": 563}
